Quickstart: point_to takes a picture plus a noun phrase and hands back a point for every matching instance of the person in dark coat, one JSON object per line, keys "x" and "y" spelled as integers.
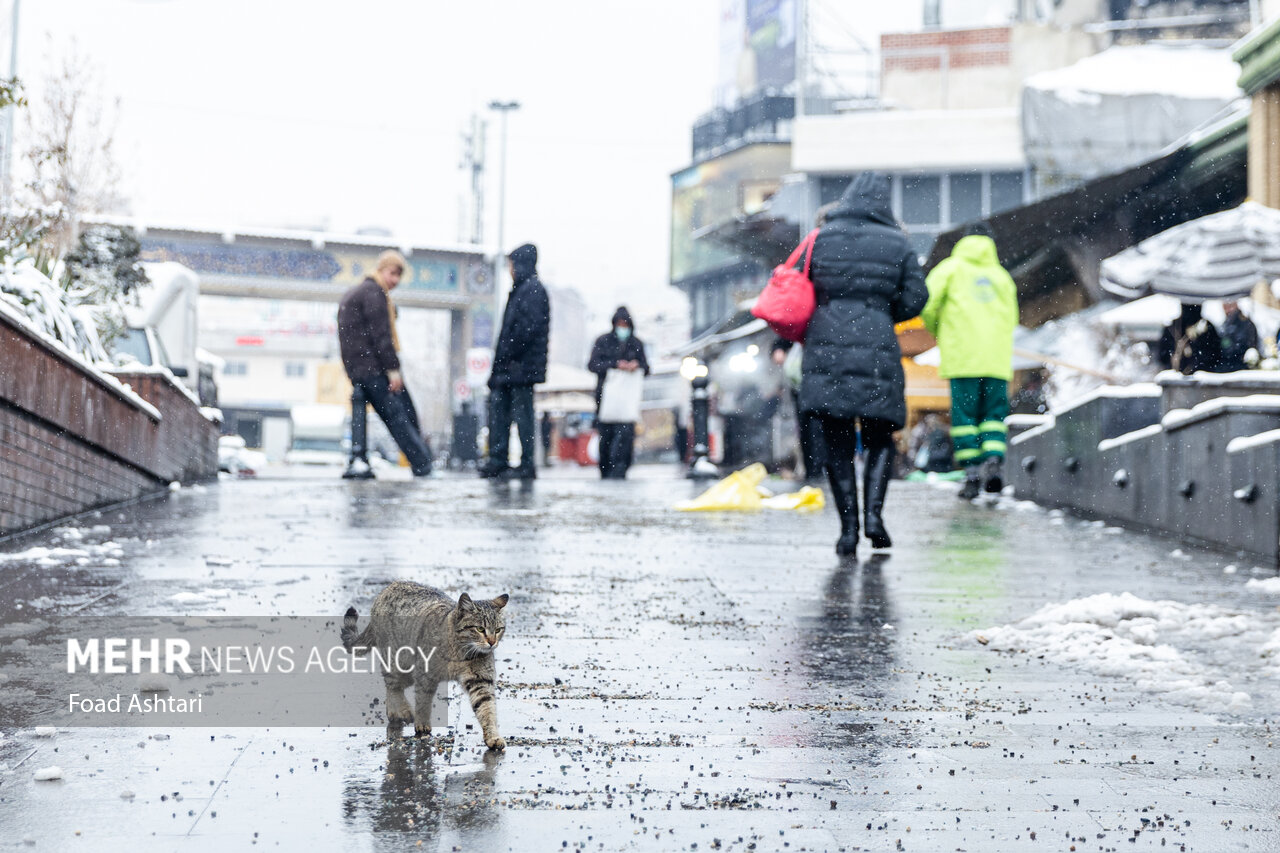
{"x": 618, "y": 349}
{"x": 519, "y": 363}
{"x": 1239, "y": 340}
{"x": 813, "y": 448}
{"x": 1189, "y": 344}
{"x": 866, "y": 278}
{"x": 368, "y": 341}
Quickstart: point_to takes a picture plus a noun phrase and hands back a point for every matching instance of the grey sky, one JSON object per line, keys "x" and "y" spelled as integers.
{"x": 307, "y": 112}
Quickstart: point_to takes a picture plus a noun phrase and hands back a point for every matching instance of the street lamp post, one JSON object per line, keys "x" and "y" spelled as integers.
{"x": 7, "y": 166}
{"x": 502, "y": 107}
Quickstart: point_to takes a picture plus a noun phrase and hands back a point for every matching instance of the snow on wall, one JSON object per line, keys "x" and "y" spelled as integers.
{"x": 1160, "y": 647}
{"x": 34, "y": 303}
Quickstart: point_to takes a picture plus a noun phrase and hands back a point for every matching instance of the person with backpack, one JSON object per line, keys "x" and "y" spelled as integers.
{"x": 972, "y": 311}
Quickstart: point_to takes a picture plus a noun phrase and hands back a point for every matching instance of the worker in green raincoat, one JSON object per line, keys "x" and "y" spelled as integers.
{"x": 972, "y": 311}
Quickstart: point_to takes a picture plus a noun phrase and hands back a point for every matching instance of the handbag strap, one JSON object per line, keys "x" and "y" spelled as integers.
{"x": 812, "y": 239}
{"x": 805, "y": 248}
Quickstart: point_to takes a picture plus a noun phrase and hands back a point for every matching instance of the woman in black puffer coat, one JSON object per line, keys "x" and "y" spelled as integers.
{"x": 867, "y": 278}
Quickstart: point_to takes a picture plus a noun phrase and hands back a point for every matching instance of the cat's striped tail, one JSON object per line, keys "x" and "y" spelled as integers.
{"x": 352, "y": 640}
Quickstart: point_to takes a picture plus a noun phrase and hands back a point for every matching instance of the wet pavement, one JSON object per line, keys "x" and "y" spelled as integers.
{"x": 668, "y": 681}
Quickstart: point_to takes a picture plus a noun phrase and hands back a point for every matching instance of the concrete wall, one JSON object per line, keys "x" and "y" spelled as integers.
{"x": 1116, "y": 458}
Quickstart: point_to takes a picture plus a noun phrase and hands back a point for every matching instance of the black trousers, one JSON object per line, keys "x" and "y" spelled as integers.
{"x": 397, "y": 412}
{"x": 510, "y": 404}
{"x": 841, "y": 435}
{"x": 617, "y": 441}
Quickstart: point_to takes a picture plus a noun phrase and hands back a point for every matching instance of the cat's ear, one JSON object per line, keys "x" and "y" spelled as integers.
{"x": 500, "y": 602}
{"x": 465, "y": 602}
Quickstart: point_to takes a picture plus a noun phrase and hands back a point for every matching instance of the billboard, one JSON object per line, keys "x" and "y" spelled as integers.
{"x": 757, "y": 47}
{"x": 716, "y": 192}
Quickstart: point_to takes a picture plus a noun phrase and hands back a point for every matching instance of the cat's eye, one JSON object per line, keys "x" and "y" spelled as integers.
{"x": 478, "y": 630}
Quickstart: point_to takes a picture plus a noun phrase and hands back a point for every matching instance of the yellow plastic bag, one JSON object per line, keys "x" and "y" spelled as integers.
{"x": 741, "y": 490}
{"x": 805, "y": 500}
{"x": 735, "y": 492}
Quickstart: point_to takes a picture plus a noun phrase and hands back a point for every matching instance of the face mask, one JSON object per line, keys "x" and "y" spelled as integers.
{"x": 622, "y": 332}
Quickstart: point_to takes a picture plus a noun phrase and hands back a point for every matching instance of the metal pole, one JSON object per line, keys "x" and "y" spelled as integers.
{"x": 10, "y": 110}
{"x": 802, "y": 56}
{"x": 701, "y": 433}
{"x": 503, "y": 108}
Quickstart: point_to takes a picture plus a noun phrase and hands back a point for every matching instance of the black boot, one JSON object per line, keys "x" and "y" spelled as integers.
{"x": 875, "y": 484}
{"x": 845, "y": 492}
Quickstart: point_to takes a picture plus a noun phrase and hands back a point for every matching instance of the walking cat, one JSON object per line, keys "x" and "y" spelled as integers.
{"x": 462, "y": 635}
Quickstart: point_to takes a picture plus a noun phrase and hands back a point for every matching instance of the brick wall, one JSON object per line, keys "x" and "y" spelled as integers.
{"x": 70, "y": 441}
{"x": 926, "y": 51}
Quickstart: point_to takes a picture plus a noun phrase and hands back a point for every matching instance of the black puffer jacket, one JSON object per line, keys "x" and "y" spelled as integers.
{"x": 867, "y": 278}
{"x": 520, "y": 358}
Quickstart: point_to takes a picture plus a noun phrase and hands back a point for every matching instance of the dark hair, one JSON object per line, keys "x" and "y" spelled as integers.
{"x": 979, "y": 229}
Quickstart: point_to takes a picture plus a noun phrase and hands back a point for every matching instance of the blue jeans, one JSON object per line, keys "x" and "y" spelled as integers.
{"x": 397, "y": 412}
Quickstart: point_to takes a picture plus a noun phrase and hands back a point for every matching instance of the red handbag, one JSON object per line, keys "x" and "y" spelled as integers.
{"x": 787, "y": 301}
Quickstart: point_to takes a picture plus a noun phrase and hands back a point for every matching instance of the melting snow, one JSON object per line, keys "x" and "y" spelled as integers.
{"x": 1151, "y": 643}
{"x": 1270, "y": 585}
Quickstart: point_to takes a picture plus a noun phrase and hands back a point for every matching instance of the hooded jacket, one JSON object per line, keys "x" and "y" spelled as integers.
{"x": 972, "y": 311}
{"x": 365, "y": 334}
{"x": 866, "y": 278}
{"x": 520, "y": 357}
{"x": 609, "y": 349}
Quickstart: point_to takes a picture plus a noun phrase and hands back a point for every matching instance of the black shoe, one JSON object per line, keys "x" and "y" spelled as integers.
{"x": 489, "y": 469}
{"x": 522, "y": 473}
{"x": 992, "y": 481}
{"x": 358, "y": 469}
{"x": 970, "y": 490}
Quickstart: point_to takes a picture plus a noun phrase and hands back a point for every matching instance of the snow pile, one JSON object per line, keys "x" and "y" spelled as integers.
{"x": 1152, "y": 644}
{"x": 1270, "y": 585}
{"x": 204, "y": 596}
{"x": 71, "y": 550}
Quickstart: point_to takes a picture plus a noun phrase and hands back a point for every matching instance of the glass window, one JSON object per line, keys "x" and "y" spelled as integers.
{"x": 295, "y": 369}
{"x": 235, "y": 368}
{"x": 922, "y": 240}
{"x": 830, "y": 189}
{"x": 1006, "y": 190}
{"x": 922, "y": 200}
{"x": 966, "y": 198}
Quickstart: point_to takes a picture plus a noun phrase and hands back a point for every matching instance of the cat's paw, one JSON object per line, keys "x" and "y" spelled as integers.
{"x": 422, "y": 731}
{"x": 495, "y": 742}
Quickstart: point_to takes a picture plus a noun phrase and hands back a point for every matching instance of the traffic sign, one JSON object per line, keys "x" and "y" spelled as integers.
{"x": 479, "y": 363}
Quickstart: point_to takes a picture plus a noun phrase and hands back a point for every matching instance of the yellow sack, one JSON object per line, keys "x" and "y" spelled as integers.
{"x": 741, "y": 490}
{"x": 805, "y": 500}
{"x": 735, "y": 492}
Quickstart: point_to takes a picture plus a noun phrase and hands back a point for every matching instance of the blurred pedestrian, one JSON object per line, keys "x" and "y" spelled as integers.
{"x": 867, "y": 278}
{"x": 1190, "y": 343}
{"x": 369, "y": 343}
{"x": 519, "y": 363}
{"x": 972, "y": 311}
{"x": 1239, "y": 340}
{"x": 813, "y": 448}
{"x": 617, "y": 349}
{"x": 546, "y": 429}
